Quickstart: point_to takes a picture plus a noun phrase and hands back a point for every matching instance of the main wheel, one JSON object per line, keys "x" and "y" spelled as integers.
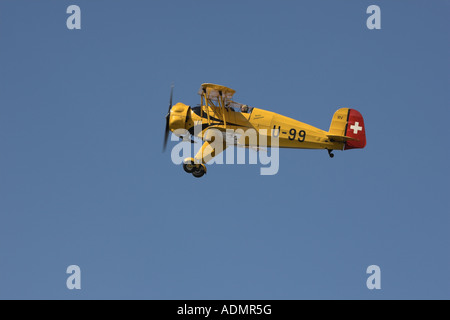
{"x": 199, "y": 171}
{"x": 198, "y": 174}
{"x": 188, "y": 167}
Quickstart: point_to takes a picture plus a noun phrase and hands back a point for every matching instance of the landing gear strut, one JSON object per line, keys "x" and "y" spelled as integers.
{"x": 330, "y": 153}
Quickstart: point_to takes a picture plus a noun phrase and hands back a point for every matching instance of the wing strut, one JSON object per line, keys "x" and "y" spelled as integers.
{"x": 222, "y": 103}
{"x": 206, "y": 104}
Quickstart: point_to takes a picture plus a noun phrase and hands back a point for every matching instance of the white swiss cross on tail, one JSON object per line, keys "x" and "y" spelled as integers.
{"x": 356, "y": 127}
{"x": 356, "y": 130}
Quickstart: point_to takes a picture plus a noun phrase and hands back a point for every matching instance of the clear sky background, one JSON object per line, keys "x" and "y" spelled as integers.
{"x": 83, "y": 180}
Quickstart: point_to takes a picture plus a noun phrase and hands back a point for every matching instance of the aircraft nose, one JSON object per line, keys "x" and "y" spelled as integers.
{"x": 177, "y": 116}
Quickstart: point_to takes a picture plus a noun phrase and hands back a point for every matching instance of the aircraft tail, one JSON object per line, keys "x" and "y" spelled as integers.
{"x": 347, "y": 126}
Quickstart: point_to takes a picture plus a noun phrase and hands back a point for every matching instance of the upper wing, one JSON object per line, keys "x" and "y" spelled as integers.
{"x": 213, "y": 91}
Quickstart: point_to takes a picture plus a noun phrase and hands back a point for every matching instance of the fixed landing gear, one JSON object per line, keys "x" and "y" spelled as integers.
{"x": 330, "y": 153}
{"x": 198, "y": 170}
{"x": 188, "y": 166}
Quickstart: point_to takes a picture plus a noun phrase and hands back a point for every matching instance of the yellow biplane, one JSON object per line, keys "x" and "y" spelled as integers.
{"x": 217, "y": 110}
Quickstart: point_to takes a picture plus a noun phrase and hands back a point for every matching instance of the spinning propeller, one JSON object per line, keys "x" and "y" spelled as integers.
{"x": 167, "y": 131}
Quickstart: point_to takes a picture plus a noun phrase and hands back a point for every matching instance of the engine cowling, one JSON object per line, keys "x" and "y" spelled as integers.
{"x": 178, "y": 116}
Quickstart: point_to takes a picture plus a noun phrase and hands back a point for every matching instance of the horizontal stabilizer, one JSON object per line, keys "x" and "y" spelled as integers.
{"x": 336, "y": 138}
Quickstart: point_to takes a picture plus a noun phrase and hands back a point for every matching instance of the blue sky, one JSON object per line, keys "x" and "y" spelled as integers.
{"x": 83, "y": 180}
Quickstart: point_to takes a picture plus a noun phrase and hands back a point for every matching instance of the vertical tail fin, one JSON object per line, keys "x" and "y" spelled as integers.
{"x": 349, "y": 123}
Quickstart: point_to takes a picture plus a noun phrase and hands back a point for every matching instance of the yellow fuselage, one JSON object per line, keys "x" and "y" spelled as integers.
{"x": 291, "y": 133}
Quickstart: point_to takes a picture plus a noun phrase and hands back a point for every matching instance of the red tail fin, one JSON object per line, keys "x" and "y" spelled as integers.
{"x": 355, "y": 129}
